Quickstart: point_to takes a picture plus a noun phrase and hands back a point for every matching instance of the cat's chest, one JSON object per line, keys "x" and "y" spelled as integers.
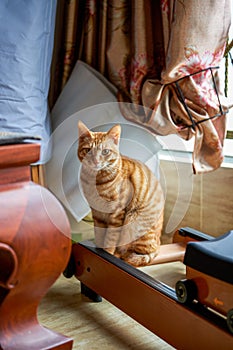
{"x": 109, "y": 195}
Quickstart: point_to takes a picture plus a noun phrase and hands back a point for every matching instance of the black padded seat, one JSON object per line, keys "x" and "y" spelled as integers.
{"x": 214, "y": 257}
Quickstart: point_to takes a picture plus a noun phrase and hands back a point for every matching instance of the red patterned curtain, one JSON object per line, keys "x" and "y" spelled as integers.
{"x": 161, "y": 55}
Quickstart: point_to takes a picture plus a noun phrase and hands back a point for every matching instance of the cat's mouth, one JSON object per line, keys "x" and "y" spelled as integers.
{"x": 97, "y": 167}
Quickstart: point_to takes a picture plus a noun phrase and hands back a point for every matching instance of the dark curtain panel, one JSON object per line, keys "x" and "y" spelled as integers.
{"x": 121, "y": 39}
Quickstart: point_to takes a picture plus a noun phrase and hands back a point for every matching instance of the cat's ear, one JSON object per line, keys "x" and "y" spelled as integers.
{"x": 83, "y": 130}
{"x": 114, "y": 133}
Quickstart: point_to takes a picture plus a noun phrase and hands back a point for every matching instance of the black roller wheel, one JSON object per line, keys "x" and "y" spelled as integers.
{"x": 230, "y": 320}
{"x": 186, "y": 291}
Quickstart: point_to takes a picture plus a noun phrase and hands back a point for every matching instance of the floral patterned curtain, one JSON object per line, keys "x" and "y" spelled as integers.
{"x": 122, "y": 39}
{"x": 161, "y": 55}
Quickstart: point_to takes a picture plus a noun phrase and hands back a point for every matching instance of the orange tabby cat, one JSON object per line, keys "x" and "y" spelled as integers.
{"x": 126, "y": 199}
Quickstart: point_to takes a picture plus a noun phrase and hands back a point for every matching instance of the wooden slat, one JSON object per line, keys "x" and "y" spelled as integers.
{"x": 38, "y": 174}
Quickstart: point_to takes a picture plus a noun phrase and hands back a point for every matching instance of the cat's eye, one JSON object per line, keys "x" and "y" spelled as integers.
{"x": 105, "y": 152}
{"x": 87, "y": 150}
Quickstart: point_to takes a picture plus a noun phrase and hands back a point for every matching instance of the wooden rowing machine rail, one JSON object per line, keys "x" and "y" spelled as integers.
{"x": 183, "y": 326}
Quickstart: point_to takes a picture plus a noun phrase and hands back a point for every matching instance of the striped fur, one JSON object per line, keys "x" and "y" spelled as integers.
{"x": 126, "y": 199}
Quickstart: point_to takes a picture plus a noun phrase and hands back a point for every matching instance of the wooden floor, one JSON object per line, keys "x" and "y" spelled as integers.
{"x": 101, "y": 325}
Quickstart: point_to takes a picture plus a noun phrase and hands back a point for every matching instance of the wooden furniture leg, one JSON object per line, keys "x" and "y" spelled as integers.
{"x": 34, "y": 249}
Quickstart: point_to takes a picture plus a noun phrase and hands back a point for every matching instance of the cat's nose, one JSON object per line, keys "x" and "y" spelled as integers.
{"x": 95, "y": 161}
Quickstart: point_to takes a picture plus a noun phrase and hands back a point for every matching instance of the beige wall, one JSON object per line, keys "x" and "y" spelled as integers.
{"x": 210, "y": 208}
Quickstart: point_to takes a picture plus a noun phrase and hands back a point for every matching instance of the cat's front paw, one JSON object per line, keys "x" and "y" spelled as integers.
{"x": 122, "y": 251}
{"x": 110, "y": 250}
